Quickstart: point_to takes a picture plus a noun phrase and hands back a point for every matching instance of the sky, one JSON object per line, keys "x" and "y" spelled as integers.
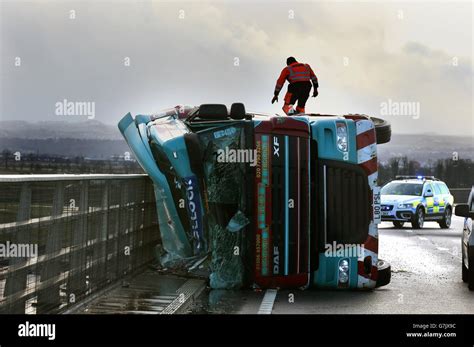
{"x": 408, "y": 62}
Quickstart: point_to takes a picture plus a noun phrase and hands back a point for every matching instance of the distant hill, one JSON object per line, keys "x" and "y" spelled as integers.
{"x": 91, "y": 138}
{"x": 98, "y": 140}
{"x": 426, "y": 147}
{"x": 91, "y": 148}
{"x": 91, "y": 129}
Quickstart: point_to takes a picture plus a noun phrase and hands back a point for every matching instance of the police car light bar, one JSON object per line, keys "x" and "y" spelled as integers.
{"x": 420, "y": 177}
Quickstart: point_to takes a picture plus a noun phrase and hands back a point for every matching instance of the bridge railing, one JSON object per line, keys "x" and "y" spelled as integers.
{"x": 64, "y": 237}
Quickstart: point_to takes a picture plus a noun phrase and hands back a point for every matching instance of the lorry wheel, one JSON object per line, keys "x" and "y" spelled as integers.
{"x": 418, "y": 218}
{"x": 465, "y": 272}
{"x": 384, "y": 273}
{"x": 398, "y": 224}
{"x": 445, "y": 223}
{"x": 383, "y": 130}
{"x": 470, "y": 281}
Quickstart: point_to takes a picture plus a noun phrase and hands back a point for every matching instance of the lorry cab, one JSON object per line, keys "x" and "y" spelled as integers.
{"x": 296, "y": 198}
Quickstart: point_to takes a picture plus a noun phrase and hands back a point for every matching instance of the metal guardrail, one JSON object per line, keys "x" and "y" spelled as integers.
{"x": 66, "y": 177}
{"x": 64, "y": 237}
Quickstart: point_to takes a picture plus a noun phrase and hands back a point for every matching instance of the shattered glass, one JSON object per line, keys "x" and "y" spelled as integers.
{"x": 226, "y": 201}
{"x": 238, "y": 222}
{"x": 226, "y": 266}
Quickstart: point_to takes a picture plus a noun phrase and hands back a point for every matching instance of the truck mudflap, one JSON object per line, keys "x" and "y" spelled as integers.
{"x": 282, "y": 198}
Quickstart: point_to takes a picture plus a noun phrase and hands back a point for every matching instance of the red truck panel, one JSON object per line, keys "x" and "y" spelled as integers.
{"x": 282, "y": 230}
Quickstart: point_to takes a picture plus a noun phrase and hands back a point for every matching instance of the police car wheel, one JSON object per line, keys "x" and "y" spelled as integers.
{"x": 383, "y": 130}
{"x": 384, "y": 273}
{"x": 398, "y": 224}
{"x": 418, "y": 219}
{"x": 471, "y": 274}
{"x": 445, "y": 223}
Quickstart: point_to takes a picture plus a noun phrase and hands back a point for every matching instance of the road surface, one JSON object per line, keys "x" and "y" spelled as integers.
{"x": 426, "y": 278}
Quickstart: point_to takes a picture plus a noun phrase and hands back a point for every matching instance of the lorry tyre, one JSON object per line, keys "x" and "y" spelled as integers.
{"x": 383, "y": 130}
{"x": 384, "y": 273}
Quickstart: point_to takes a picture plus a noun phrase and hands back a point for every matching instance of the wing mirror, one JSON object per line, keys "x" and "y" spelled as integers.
{"x": 462, "y": 210}
{"x": 428, "y": 194}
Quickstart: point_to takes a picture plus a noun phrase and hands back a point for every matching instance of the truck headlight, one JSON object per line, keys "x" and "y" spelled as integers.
{"x": 341, "y": 136}
{"x": 402, "y": 205}
{"x": 343, "y": 272}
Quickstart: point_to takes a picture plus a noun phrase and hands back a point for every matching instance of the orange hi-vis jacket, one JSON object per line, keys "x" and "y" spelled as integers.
{"x": 296, "y": 72}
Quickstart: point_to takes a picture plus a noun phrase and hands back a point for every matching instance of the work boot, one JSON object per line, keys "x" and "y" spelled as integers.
{"x": 288, "y": 109}
{"x": 300, "y": 109}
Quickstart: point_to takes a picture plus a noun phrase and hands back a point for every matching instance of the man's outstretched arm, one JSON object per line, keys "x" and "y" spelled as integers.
{"x": 279, "y": 84}
{"x": 314, "y": 80}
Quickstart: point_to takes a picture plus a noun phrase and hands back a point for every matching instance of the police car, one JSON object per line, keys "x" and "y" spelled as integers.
{"x": 416, "y": 199}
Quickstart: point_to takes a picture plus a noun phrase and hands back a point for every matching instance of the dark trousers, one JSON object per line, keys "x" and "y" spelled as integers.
{"x": 298, "y": 92}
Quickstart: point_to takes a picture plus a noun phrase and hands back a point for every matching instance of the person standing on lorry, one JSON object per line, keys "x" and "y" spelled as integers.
{"x": 299, "y": 77}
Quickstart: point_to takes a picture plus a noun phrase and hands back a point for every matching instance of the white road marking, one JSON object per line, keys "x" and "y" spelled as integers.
{"x": 266, "y": 306}
{"x": 422, "y": 238}
{"x": 186, "y": 293}
{"x": 442, "y": 249}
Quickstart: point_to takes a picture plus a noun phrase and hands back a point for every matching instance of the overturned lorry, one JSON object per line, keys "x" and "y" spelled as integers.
{"x": 272, "y": 201}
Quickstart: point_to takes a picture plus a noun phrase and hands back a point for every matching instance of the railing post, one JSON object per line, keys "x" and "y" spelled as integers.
{"x": 124, "y": 227}
{"x": 16, "y": 280}
{"x": 49, "y": 299}
{"x": 77, "y": 282}
{"x": 100, "y": 250}
{"x": 149, "y": 216}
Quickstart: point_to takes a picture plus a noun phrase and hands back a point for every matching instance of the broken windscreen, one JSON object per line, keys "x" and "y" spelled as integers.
{"x": 225, "y": 162}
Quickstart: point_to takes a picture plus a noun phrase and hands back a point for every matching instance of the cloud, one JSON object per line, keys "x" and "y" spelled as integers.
{"x": 192, "y": 59}
{"x": 416, "y": 48}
